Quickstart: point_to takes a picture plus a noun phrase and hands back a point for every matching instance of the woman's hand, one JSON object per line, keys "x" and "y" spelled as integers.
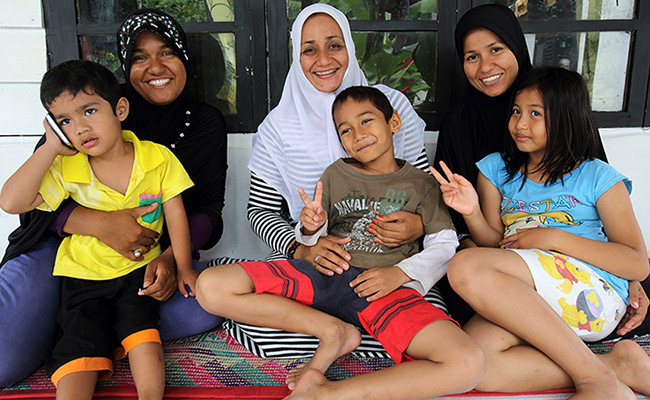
{"x": 636, "y": 311}
{"x": 186, "y": 277}
{"x": 375, "y": 283}
{"x": 160, "y": 277}
{"x": 457, "y": 192}
{"x": 312, "y": 216}
{"x": 326, "y": 255}
{"x": 118, "y": 230}
{"x": 396, "y": 229}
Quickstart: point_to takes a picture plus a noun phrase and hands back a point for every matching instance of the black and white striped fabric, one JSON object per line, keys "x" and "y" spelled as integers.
{"x": 274, "y": 343}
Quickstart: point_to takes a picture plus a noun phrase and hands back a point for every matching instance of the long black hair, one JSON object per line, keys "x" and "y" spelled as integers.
{"x": 571, "y": 131}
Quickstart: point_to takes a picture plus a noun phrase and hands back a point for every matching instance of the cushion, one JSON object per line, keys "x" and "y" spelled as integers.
{"x": 274, "y": 343}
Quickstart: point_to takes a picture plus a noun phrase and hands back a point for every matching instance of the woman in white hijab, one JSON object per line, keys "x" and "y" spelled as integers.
{"x": 297, "y": 141}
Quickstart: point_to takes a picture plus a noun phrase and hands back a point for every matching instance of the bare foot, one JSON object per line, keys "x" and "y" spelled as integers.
{"x": 340, "y": 340}
{"x": 309, "y": 386}
{"x": 603, "y": 389}
{"x": 631, "y": 365}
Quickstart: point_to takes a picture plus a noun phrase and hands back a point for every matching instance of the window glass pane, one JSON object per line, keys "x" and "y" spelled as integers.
{"x": 214, "y": 65}
{"x": 212, "y": 58}
{"x": 114, "y": 11}
{"x": 375, "y": 9}
{"x": 545, "y": 10}
{"x": 103, "y": 50}
{"x": 104, "y": 11}
{"x": 402, "y": 61}
{"x": 601, "y": 58}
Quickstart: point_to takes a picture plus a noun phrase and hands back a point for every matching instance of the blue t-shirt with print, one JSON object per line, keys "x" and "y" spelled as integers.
{"x": 569, "y": 205}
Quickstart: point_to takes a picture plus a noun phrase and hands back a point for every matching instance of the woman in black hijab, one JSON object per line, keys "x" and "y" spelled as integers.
{"x": 476, "y": 127}
{"x": 493, "y": 54}
{"x": 153, "y": 52}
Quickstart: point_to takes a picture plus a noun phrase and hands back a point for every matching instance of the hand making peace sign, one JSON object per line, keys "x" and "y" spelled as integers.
{"x": 312, "y": 216}
{"x": 457, "y": 192}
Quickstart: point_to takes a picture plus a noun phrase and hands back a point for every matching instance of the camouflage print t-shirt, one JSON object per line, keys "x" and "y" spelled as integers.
{"x": 352, "y": 199}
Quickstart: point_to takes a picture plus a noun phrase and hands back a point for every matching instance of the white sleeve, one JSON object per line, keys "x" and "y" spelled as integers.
{"x": 428, "y": 266}
{"x": 310, "y": 240}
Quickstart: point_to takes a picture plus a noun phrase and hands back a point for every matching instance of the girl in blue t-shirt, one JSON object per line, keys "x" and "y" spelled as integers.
{"x": 560, "y": 242}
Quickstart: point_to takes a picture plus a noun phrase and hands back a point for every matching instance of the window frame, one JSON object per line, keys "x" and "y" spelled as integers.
{"x": 250, "y": 42}
{"x": 262, "y": 55}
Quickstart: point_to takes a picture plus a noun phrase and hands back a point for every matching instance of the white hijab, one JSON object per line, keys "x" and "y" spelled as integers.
{"x": 297, "y": 140}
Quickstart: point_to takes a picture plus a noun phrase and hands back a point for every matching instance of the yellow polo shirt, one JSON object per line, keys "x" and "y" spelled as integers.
{"x": 157, "y": 175}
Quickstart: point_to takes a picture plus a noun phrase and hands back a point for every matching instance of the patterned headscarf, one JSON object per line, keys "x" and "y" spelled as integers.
{"x": 157, "y": 22}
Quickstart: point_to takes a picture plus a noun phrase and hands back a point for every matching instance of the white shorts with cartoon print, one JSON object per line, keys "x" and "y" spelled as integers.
{"x": 584, "y": 300}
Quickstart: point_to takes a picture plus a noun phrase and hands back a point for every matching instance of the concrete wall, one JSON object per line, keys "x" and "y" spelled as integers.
{"x": 23, "y": 37}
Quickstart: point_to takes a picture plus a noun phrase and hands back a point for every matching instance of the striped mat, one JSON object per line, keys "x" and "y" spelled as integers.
{"x": 214, "y": 365}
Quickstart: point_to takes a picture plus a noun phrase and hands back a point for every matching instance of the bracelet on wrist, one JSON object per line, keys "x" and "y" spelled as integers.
{"x": 292, "y": 249}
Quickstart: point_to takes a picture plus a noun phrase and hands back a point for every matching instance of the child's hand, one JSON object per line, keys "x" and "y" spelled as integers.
{"x": 376, "y": 283}
{"x": 542, "y": 238}
{"x": 53, "y": 142}
{"x": 457, "y": 192}
{"x": 636, "y": 311}
{"x": 312, "y": 215}
{"x": 186, "y": 277}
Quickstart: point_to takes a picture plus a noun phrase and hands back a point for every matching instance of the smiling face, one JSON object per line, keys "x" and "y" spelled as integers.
{"x": 527, "y": 124}
{"x": 156, "y": 72}
{"x": 366, "y": 136}
{"x": 323, "y": 55}
{"x": 89, "y": 122}
{"x": 489, "y": 65}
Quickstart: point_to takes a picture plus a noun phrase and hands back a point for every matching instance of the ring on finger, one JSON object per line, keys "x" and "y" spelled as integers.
{"x": 137, "y": 252}
{"x": 316, "y": 259}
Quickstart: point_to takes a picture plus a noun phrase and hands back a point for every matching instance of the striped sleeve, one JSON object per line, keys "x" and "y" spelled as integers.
{"x": 264, "y": 210}
{"x": 422, "y": 162}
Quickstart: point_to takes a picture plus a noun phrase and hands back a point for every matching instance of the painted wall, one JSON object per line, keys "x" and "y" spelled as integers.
{"x": 23, "y": 37}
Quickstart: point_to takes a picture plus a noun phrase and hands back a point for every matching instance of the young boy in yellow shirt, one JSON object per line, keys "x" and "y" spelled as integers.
{"x": 108, "y": 169}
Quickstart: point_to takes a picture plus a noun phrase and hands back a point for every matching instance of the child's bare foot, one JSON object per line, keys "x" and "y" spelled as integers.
{"x": 309, "y": 386}
{"x": 631, "y": 365}
{"x": 340, "y": 340}
{"x": 605, "y": 389}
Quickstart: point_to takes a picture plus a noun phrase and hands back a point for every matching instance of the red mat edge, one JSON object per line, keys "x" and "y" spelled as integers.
{"x": 240, "y": 392}
{"x": 196, "y": 393}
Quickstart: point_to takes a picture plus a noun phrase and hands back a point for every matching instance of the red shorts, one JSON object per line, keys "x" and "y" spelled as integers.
{"x": 393, "y": 320}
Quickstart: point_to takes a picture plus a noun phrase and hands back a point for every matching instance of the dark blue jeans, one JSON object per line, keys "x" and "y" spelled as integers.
{"x": 29, "y": 300}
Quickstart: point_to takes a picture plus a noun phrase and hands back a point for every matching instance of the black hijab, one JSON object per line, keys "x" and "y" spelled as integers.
{"x": 477, "y": 126}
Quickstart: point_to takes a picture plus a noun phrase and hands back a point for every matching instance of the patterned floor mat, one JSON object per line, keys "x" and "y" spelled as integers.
{"x": 215, "y": 360}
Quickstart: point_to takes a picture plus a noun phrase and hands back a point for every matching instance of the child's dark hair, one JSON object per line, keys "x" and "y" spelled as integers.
{"x": 571, "y": 132}
{"x": 80, "y": 75}
{"x": 365, "y": 93}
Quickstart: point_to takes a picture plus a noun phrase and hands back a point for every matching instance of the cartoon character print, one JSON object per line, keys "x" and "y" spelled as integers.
{"x": 558, "y": 267}
{"x": 146, "y": 199}
{"x": 586, "y": 313}
{"x": 524, "y": 220}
